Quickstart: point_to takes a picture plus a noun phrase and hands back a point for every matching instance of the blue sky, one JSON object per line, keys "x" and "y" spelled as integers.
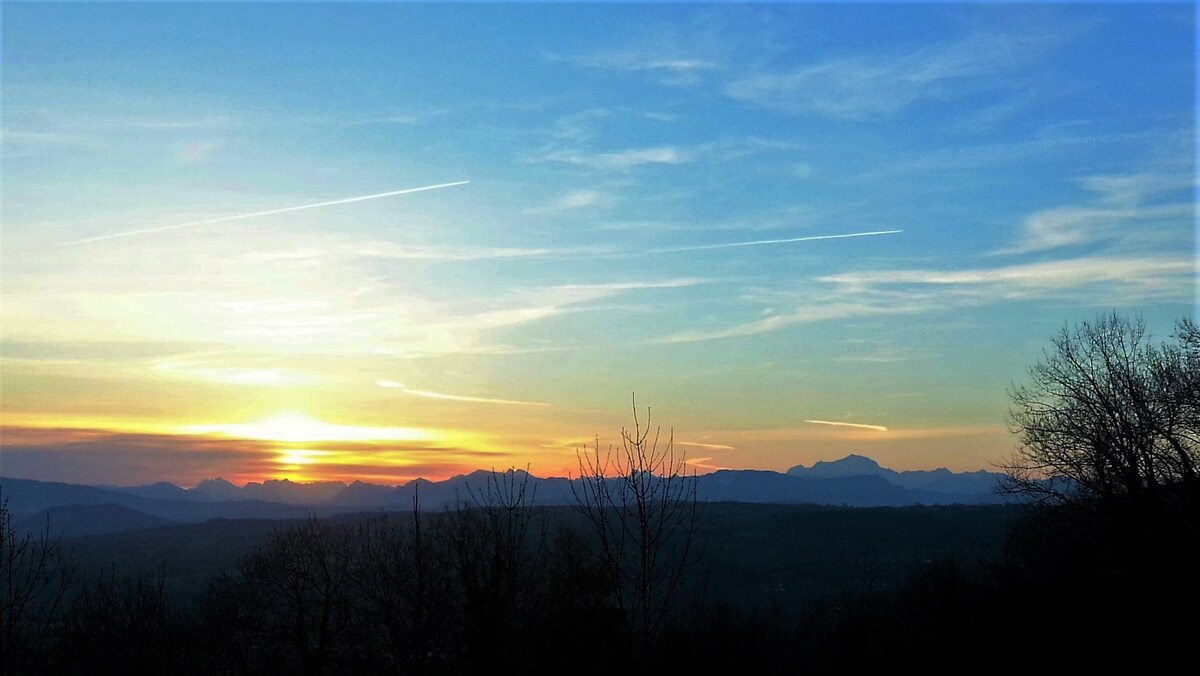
{"x": 642, "y": 181}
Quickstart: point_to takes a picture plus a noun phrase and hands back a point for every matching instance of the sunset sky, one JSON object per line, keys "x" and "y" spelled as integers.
{"x": 795, "y": 231}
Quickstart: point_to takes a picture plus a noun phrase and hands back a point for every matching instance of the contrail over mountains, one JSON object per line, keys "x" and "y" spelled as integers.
{"x": 861, "y": 426}
{"x": 256, "y": 214}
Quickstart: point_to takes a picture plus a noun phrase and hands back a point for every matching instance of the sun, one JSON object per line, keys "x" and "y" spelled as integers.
{"x": 293, "y": 457}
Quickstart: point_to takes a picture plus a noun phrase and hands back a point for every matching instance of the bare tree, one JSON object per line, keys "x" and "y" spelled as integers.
{"x": 641, "y": 503}
{"x": 1109, "y": 415}
{"x": 123, "y": 625}
{"x": 34, "y": 575}
{"x": 498, "y": 546}
{"x": 296, "y": 592}
{"x": 408, "y": 592}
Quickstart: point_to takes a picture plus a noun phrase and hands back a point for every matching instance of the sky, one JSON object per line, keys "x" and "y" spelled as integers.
{"x": 381, "y": 241}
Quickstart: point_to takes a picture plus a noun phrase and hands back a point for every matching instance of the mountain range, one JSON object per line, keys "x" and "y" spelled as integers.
{"x": 71, "y": 509}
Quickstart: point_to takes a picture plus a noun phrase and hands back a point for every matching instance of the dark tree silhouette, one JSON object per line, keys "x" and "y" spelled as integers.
{"x": 641, "y": 504}
{"x": 1111, "y": 446}
{"x": 34, "y": 575}
{"x": 295, "y": 594}
{"x": 122, "y": 625}
{"x": 1109, "y": 416}
{"x": 408, "y": 593}
{"x": 497, "y": 542}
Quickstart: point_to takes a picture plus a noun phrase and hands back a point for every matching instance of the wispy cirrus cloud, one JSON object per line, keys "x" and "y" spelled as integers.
{"x": 960, "y": 157}
{"x": 612, "y": 287}
{"x": 394, "y": 251}
{"x": 305, "y": 251}
{"x": 407, "y": 118}
{"x": 865, "y": 86}
{"x": 622, "y": 160}
{"x": 571, "y": 201}
{"x": 30, "y": 135}
{"x": 299, "y": 290}
{"x": 461, "y": 328}
{"x": 1102, "y": 280}
{"x": 664, "y": 56}
{"x": 805, "y": 315}
{"x": 1130, "y": 278}
{"x": 394, "y": 385}
{"x": 639, "y": 60}
{"x": 1122, "y": 206}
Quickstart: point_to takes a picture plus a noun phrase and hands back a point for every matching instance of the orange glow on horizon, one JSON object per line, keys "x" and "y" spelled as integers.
{"x": 293, "y": 446}
{"x": 297, "y": 428}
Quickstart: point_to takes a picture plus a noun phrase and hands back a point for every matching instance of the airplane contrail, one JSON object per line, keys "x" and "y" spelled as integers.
{"x": 256, "y": 214}
{"x": 393, "y": 385}
{"x": 861, "y": 426}
{"x": 704, "y": 247}
{"x": 697, "y": 444}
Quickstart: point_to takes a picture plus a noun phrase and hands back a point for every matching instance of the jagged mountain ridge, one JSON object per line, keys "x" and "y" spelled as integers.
{"x": 854, "y": 481}
{"x": 940, "y": 480}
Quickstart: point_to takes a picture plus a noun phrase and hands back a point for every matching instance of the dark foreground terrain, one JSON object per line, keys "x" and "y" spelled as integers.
{"x": 498, "y": 586}
{"x": 750, "y": 554}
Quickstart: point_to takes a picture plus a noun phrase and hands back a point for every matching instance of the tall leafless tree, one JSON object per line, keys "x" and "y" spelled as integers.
{"x": 298, "y": 591}
{"x": 34, "y": 575}
{"x": 1109, "y": 415}
{"x": 641, "y": 503}
{"x": 498, "y": 543}
{"x": 407, "y": 592}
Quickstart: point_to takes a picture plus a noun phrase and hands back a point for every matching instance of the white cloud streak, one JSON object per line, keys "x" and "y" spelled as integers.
{"x": 404, "y": 252}
{"x": 1097, "y": 280}
{"x": 860, "y": 426}
{"x": 804, "y": 315}
{"x": 1120, "y": 201}
{"x": 674, "y": 64}
{"x": 763, "y": 242}
{"x": 577, "y": 199}
{"x": 257, "y": 214}
{"x": 1032, "y": 279}
{"x": 697, "y": 444}
{"x": 622, "y": 160}
{"x": 861, "y": 87}
{"x": 393, "y": 385}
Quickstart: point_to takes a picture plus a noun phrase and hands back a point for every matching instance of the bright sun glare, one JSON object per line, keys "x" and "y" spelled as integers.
{"x": 301, "y": 456}
{"x": 297, "y": 428}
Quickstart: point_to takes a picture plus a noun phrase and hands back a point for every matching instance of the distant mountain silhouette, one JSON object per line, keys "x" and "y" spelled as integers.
{"x": 28, "y": 497}
{"x": 772, "y": 487}
{"x": 287, "y": 492}
{"x": 362, "y": 494}
{"x": 855, "y": 481}
{"x": 851, "y": 465}
{"x": 159, "y": 491}
{"x": 979, "y": 486}
{"x": 217, "y": 489}
{"x": 81, "y": 520}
